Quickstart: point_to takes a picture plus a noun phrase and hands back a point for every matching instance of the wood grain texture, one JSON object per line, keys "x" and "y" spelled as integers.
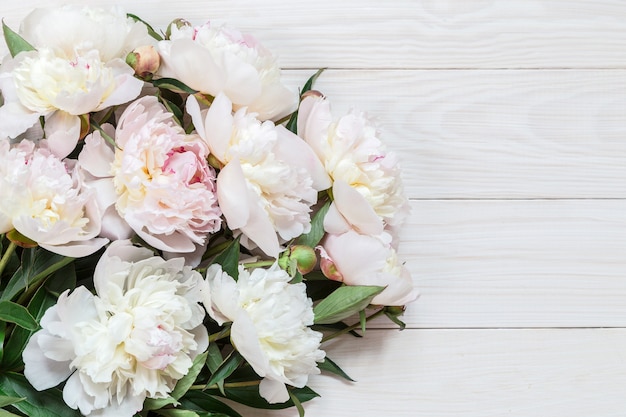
{"x": 499, "y": 263}
{"x": 494, "y": 134}
{"x": 481, "y": 373}
{"x": 409, "y": 33}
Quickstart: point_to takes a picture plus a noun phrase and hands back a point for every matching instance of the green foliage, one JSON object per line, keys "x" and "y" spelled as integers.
{"x": 15, "y": 42}
{"x": 316, "y": 234}
{"x": 330, "y": 366}
{"x": 173, "y": 85}
{"x": 15, "y": 313}
{"x": 229, "y": 259}
{"x": 151, "y": 30}
{"x": 48, "y": 403}
{"x": 200, "y": 401}
{"x": 292, "y": 124}
{"x": 344, "y": 302}
{"x": 226, "y": 368}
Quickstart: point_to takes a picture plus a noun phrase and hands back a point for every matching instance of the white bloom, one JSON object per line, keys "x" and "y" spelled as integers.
{"x": 270, "y": 320}
{"x": 217, "y": 60}
{"x": 78, "y": 67}
{"x": 352, "y": 152}
{"x": 44, "y": 201}
{"x": 270, "y": 177}
{"x": 133, "y": 340}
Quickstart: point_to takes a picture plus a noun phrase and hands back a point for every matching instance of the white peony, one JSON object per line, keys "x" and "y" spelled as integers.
{"x": 217, "y": 60}
{"x": 352, "y": 153}
{"x": 270, "y": 320}
{"x": 270, "y": 177}
{"x": 42, "y": 198}
{"x": 77, "y": 67}
{"x": 133, "y": 340}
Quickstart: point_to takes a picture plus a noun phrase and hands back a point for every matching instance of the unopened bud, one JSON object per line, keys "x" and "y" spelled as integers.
{"x": 303, "y": 256}
{"x": 145, "y": 60}
{"x": 312, "y": 93}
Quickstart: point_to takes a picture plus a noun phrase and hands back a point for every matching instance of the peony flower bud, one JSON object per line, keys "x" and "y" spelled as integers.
{"x": 145, "y": 60}
{"x": 328, "y": 267}
{"x": 303, "y": 255}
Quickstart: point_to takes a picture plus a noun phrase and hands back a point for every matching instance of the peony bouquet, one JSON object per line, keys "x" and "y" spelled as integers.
{"x": 176, "y": 225}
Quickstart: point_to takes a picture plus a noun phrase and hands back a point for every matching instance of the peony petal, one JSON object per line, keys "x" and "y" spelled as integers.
{"x": 273, "y": 391}
{"x": 96, "y": 156}
{"x": 218, "y": 125}
{"x": 314, "y": 118}
{"x": 127, "y": 86}
{"x": 292, "y": 148}
{"x": 42, "y": 372}
{"x": 194, "y": 65}
{"x": 400, "y": 291}
{"x": 243, "y": 84}
{"x": 275, "y": 102}
{"x": 356, "y": 210}
{"x": 334, "y": 222}
{"x": 260, "y": 229}
{"x": 220, "y": 294}
{"x": 62, "y": 131}
{"x": 16, "y": 119}
{"x": 232, "y": 194}
{"x": 77, "y": 249}
{"x": 246, "y": 340}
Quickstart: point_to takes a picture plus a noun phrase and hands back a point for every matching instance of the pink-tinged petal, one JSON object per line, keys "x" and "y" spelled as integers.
{"x": 261, "y": 231}
{"x": 197, "y": 116}
{"x": 273, "y": 391}
{"x": 334, "y": 222}
{"x": 314, "y": 118}
{"x": 292, "y": 148}
{"x": 242, "y": 80}
{"x": 113, "y": 226}
{"x": 194, "y": 65}
{"x": 77, "y": 249}
{"x": 232, "y": 194}
{"x": 62, "y": 132}
{"x": 399, "y": 291}
{"x": 96, "y": 156}
{"x": 16, "y": 119}
{"x": 356, "y": 210}
{"x": 355, "y": 255}
{"x": 192, "y": 258}
{"x": 201, "y": 336}
{"x": 275, "y": 102}
{"x": 218, "y": 125}
{"x": 41, "y": 371}
{"x": 127, "y": 87}
{"x": 175, "y": 242}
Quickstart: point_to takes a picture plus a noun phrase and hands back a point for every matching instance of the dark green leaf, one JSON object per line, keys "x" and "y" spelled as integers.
{"x": 214, "y": 361}
{"x": 183, "y": 384}
{"x": 14, "y": 313}
{"x": 151, "y": 31}
{"x": 15, "y": 42}
{"x": 203, "y": 401}
{"x": 172, "y": 108}
{"x": 226, "y": 368}
{"x": 344, "y": 302}
{"x": 173, "y": 85}
{"x": 37, "y": 264}
{"x": 297, "y": 403}
{"x": 158, "y": 403}
{"x": 316, "y": 234}
{"x": 61, "y": 280}
{"x": 5, "y": 413}
{"x": 3, "y": 333}
{"x": 41, "y": 301}
{"x": 330, "y": 366}
{"x": 174, "y": 412}
{"x": 292, "y": 124}
{"x": 5, "y": 400}
{"x": 229, "y": 259}
{"x": 47, "y": 403}
{"x": 250, "y": 396}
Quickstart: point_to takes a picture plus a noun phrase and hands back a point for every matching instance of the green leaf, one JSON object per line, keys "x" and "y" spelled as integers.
{"x": 15, "y": 42}
{"x": 183, "y": 384}
{"x": 14, "y": 313}
{"x": 330, "y": 366}
{"x": 200, "y": 401}
{"x": 172, "y": 108}
{"x": 61, "y": 280}
{"x": 37, "y": 264}
{"x": 173, "y": 85}
{"x": 3, "y": 333}
{"x": 151, "y": 30}
{"x": 250, "y": 396}
{"x": 316, "y": 234}
{"x": 292, "y": 124}
{"x": 158, "y": 403}
{"x": 226, "y": 368}
{"x": 41, "y": 301}
{"x": 6, "y": 400}
{"x": 48, "y": 403}
{"x": 214, "y": 361}
{"x": 174, "y": 412}
{"x": 344, "y": 302}
{"x": 297, "y": 403}
{"x": 363, "y": 320}
{"x": 229, "y": 259}
{"x": 5, "y": 413}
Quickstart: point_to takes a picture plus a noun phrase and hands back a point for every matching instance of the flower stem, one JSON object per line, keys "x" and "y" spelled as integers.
{"x": 259, "y": 264}
{"x": 225, "y": 332}
{"x": 7, "y": 255}
{"x": 353, "y": 327}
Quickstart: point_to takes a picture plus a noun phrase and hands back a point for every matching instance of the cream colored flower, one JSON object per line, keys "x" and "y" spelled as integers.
{"x": 42, "y": 198}
{"x": 133, "y": 340}
{"x": 217, "y": 60}
{"x": 269, "y": 179}
{"x": 270, "y": 320}
{"x": 78, "y": 67}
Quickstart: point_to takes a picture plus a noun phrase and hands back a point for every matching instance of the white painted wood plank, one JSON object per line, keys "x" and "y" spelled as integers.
{"x": 409, "y": 33}
{"x": 538, "y": 263}
{"x": 495, "y": 134}
{"x": 474, "y": 373}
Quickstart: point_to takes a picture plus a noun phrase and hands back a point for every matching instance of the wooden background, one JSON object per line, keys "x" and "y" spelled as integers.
{"x": 510, "y": 118}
